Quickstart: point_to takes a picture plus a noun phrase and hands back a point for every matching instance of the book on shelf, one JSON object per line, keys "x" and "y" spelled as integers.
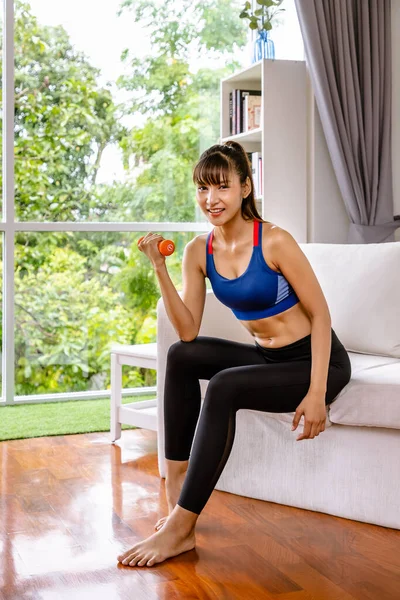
{"x": 251, "y": 112}
{"x": 255, "y": 159}
{"x": 243, "y": 119}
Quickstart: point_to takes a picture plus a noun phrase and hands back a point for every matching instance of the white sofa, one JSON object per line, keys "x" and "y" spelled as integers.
{"x": 352, "y": 469}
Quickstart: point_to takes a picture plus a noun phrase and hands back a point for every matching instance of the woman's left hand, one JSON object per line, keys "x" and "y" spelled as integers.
{"x": 314, "y": 410}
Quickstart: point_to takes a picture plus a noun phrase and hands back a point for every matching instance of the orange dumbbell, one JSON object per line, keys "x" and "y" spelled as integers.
{"x": 165, "y": 247}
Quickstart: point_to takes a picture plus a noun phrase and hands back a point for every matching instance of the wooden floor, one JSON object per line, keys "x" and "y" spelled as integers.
{"x": 71, "y": 504}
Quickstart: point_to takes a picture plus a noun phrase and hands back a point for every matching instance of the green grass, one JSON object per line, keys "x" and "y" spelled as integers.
{"x": 58, "y": 418}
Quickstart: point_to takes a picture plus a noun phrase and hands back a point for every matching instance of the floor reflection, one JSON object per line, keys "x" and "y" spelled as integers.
{"x": 69, "y": 506}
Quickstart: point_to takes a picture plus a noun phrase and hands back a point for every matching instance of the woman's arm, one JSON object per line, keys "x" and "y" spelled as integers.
{"x": 320, "y": 354}
{"x": 185, "y": 313}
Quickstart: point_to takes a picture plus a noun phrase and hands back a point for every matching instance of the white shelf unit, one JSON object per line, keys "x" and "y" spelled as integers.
{"x": 281, "y": 139}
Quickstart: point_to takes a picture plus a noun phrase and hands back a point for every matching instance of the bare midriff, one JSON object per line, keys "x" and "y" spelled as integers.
{"x": 282, "y": 329}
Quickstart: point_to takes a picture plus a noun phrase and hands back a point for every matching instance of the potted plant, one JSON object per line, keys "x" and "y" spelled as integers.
{"x": 261, "y": 19}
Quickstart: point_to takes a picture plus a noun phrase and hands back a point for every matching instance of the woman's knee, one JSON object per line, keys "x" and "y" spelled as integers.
{"x": 220, "y": 390}
{"x": 181, "y": 351}
{"x": 178, "y": 347}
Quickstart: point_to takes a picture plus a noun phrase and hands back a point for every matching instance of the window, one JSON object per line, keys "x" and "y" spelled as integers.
{"x": 111, "y": 113}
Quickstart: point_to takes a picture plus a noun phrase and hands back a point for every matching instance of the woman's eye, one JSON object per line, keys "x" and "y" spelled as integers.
{"x": 201, "y": 188}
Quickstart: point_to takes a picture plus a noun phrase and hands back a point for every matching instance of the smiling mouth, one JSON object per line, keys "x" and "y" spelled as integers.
{"x": 217, "y": 212}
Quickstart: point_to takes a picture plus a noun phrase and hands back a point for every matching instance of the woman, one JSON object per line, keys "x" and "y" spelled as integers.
{"x": 297, "y": 363}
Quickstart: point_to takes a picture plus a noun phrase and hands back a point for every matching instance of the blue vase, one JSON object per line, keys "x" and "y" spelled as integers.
{"x": 263, "y": 46}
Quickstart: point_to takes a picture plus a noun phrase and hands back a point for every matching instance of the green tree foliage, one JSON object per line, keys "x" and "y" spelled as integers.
{"x": 63, "y": 122}
{"x": 73, "y": 328}
{"x": 76, "y": 293}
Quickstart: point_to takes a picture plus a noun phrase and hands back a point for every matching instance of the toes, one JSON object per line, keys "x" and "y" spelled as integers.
{"x": 127, "y": 553}
{"x": 134, "y": 560}
{"x": 123, "y": 557}
{"x": 151, "y": 562}
{"x": 129, "y": 558}
{"x": 143, "y": 561}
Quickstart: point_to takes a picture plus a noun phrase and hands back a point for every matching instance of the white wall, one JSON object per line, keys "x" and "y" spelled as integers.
{"x": 396, "y": 107}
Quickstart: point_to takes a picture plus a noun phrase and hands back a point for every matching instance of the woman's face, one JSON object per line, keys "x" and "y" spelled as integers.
{"x": 221, "y": 202}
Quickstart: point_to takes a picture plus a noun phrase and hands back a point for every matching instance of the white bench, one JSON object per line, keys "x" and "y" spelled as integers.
{"x": 139, "y": 414}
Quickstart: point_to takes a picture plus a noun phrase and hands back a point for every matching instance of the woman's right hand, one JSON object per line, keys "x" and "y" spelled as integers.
{"x": 149, "y": 246}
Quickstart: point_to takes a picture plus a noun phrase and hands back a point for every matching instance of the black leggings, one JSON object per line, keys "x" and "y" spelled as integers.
{"x": 240, "y": 376}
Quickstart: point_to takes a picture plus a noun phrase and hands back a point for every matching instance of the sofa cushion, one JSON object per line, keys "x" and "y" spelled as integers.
{"x": 372, "y": 396}
{"x": 361, "y": 284}
{"x": 283, "y": 417}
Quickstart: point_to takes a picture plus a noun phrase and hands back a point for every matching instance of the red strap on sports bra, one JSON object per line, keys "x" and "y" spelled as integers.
{"x": 255, "y": 237}
{"x": 210, "y": 239}
{"x": 255, "y": 233}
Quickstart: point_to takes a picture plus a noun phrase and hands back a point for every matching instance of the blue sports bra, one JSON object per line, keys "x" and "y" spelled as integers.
{"x": 260, "y": 292}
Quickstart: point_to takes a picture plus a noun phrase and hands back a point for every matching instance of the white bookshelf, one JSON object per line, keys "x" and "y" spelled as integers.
{"x": 281, "y": 139}
{"x": 300, "y": 191}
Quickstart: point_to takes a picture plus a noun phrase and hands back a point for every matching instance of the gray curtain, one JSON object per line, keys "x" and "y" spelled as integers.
{"x": 348, "y": 54}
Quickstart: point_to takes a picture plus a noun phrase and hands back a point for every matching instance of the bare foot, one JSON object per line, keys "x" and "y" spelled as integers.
{"x": 158, "y": 547}
{"x": 173, "y": 490}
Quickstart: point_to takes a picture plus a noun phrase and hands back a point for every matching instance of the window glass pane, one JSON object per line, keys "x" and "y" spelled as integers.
{"x": 1, "y": 105}
{"x": 1, "y": 314}
{"x": 112, "y": 112}
{"x": 75, "y": 295}
{"x": 1, "y": 195}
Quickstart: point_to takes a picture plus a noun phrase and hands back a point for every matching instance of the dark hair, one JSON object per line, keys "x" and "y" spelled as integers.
{"x": 215, "y": 165}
